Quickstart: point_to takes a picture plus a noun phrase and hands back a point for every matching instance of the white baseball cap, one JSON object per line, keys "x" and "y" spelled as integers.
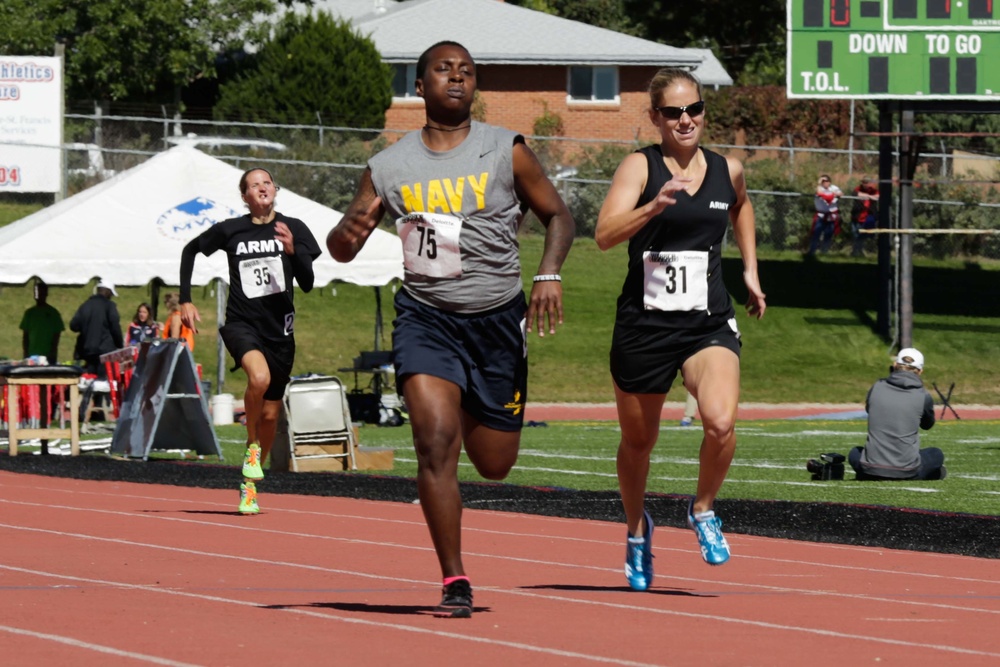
{"x": 910, "y": 356}
{"x": 106, "y": 285}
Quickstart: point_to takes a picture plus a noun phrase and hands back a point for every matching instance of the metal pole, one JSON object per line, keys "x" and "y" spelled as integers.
{"x": 850, "y": 147}
{"x": 907, "y": 167}
{"x": 60, "y": 52}
{"x": 884, "y": 217}
{"x": 220, "y": 315}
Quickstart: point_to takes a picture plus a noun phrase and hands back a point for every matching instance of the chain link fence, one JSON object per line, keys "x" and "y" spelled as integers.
{"x": 954, "y": 190}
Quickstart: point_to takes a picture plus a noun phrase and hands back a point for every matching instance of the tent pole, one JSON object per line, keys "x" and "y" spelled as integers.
{"x": 220, "y": 317}
{"x": 378, "y": 317}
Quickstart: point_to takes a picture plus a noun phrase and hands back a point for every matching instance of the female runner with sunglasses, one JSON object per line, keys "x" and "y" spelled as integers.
{"x": 672, "y": 202}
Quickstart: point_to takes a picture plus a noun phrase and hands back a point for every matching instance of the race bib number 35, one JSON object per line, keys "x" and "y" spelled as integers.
{"x": 430, "y": 244}
{"x": 262, "y": 276}
{"x": 675, "y": 280}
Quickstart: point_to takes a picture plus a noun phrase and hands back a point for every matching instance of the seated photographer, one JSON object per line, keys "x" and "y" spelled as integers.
{"x": 897, "y": 406}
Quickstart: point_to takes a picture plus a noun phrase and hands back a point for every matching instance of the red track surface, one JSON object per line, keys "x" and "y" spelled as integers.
{"x": 106, "y": 573}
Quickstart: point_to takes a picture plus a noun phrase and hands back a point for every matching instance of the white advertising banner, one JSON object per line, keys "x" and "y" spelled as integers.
{"x": 30, "y": 124}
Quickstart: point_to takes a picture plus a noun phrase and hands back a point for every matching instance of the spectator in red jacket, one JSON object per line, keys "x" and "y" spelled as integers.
{"x": 864, "y": 214}
{"x": 826, "y": 221}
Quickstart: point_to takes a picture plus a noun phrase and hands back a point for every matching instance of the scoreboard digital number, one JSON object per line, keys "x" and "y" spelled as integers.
{"x": 894, "y": 49}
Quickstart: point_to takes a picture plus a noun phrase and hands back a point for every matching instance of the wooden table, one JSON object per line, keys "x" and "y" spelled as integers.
{"x": 45, "y": 376}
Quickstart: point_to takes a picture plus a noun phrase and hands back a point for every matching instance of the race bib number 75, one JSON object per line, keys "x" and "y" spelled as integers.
{"x": 675, "y": 280}
{"x": 431, "y": 244}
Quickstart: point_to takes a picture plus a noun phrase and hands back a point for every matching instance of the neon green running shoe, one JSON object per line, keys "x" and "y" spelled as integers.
{"x": 251, "y": 463}
{"x": 248, "y": 498}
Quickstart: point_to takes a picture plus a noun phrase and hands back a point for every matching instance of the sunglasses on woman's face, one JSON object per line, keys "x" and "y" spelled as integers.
{"x": 675, "y": 113}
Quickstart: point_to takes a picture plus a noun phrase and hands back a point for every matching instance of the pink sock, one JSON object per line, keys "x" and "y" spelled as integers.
{"x": 449, "y": 580}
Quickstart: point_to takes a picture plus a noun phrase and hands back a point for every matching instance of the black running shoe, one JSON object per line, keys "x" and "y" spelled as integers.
{"x": 456, "y": 600}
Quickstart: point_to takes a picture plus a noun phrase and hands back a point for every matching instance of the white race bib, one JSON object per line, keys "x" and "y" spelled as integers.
{"x": 262, "y": 276}
{"x": 430, "y": 244}
{"x": 675, "y": 280}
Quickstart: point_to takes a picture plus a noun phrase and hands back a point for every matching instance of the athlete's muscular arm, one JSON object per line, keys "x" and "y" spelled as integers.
{"x": 534, "y": 188}
{"x": 189, "y": 312}
{"x": 346, "y": 239}
{"x": 742, "y": 217}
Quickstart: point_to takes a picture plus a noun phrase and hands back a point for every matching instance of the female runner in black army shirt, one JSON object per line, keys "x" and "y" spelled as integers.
{"x": 266, "y": 250}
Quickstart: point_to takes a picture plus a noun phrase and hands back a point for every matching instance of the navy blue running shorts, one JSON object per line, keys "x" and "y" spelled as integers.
{"x": 240, "y": 338}
{"x": 485, "y": 354}
{"x": 646, "y": 360}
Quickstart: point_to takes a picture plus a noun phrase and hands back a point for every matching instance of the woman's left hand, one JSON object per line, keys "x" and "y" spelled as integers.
{"x": 284, "y": 235}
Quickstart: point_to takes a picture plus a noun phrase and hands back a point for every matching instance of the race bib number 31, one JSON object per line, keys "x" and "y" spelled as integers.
{"x": 430, "y": 244}
{"x": 675, "y": 280}
{"x": 262, "y": 276}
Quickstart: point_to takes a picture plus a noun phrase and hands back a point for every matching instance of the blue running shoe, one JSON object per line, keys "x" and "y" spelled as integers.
{"x": 708, "y": 528}
{"x": 639, "y": 557}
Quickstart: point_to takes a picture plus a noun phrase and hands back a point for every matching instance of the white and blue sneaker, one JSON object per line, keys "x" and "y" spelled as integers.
{"x": 708, "y": 528}
{"x": 639, "y": 557}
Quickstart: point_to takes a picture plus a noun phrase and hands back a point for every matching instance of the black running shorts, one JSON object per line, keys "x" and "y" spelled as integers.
{"x": 646, "y": 360}
{"x": 485, "y": 354}
{"x": 240, "y": 338}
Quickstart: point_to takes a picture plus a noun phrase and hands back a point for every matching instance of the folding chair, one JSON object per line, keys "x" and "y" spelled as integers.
{"x": 318, "y": 415}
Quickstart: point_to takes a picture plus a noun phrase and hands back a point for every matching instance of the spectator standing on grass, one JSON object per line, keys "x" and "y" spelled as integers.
{"x": 826, "y": 221}
{"x": 173, "y": 326}
{"x": 673, "y": 202}
{"x": 143, "y": 327}
{"x": 898, "y": 406}
{"x": 266, "y": 250}
{"x": 42, "y": 326}
{"x": 864, "y": 214}
{"x": 99, "y": 327}
{"x": 458, "y": 191}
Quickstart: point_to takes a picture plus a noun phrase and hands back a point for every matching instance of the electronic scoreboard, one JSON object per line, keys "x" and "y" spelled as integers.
{"x": 894, "y": 49}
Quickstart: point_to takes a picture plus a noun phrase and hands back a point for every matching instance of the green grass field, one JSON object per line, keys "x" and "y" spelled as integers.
{"x": 816, "y": 344}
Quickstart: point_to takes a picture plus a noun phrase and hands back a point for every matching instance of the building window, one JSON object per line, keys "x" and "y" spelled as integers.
{"x": 593, "y": 84}
{"x": 404, "y": 80}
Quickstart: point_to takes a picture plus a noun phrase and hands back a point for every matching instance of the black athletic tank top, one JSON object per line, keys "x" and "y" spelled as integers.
{"x": 696, "y": 222}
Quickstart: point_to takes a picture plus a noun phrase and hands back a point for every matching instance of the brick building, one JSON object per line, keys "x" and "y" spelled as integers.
{"x": 529, "y": 64}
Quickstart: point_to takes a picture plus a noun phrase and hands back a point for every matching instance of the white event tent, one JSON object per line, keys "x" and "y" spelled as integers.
{"x": 131, "y": 228}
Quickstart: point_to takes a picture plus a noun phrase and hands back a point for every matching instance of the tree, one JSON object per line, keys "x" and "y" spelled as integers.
{"x": 735, "y": 31}
{"x": 608, "y": 14}
{"x": 313, "y": 65}
{"x": 116, "y": 49}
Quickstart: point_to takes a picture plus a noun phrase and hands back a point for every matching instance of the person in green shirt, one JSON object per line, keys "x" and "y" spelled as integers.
{"x": 42, "y": 326}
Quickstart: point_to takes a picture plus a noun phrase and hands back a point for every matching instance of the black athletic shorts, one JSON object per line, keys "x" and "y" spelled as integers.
{"x": 645, "y": 360}
{"x": 240, "y": 338}
{"x": 485, "y": 354}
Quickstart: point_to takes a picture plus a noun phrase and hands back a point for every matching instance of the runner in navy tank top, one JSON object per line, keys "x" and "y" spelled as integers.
{"x": 673, "y": 203}
{"x": 457, "y": 191}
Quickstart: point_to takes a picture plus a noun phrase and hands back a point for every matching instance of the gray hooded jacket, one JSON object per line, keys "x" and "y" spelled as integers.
{"x": 897, "y": 406}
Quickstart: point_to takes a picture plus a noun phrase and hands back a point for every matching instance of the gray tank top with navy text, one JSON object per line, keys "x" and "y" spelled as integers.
{"x": 475, "y": 183}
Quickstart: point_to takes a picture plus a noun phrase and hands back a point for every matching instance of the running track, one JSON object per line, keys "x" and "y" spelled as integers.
{"x": 109, "y": 573}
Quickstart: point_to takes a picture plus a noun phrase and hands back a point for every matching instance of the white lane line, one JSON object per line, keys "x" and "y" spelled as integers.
{"x": 545, "y": 536}
{"x": 99, "y": 648}
{"x": 340, "y": 618}
{"x": 516, "y": 645}
{"x": 812, "y": 591}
